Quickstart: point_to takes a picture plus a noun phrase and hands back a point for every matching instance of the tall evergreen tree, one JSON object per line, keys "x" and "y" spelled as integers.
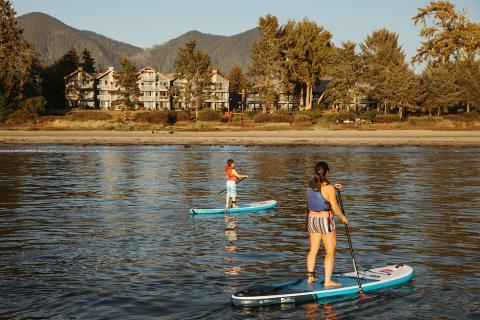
{"x": 439, "y": 90}
{"x": 308, "y": 53}
{"x": 401, "y": 88}
{"x": 467, "y": 79}
{"x": 448, "y": 34}
{"x": 344, "y": 75}
{"x": 194, "y": 66}
{"x": 267, "y": 65}
{"x": 382, "y": 58}
{"x": 127, "y": 80}
{"x": 53, "y": 79}
{"x": 19, "y": 61}
{"x": 238, "y": 86}
{"x": 88, "y": 63}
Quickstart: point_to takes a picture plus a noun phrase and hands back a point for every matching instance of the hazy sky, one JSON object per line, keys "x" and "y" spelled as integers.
{"x": 145, "y": 23}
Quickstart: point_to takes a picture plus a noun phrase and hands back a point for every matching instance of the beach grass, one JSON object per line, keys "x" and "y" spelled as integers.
{"x": 212, "y": 121}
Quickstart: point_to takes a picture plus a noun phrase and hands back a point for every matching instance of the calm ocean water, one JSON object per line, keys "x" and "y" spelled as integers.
{"x": 103, "y": 232}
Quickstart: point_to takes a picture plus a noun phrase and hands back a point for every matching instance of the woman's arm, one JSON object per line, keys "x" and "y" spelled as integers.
{"x": 332, "y": 198}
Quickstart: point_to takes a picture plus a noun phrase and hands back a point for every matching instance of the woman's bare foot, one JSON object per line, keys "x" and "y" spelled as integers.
{"x": 331, "y": 283}
{"x": 311, "y": 277}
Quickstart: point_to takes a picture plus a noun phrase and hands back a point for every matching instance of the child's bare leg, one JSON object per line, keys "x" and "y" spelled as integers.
{"x": 234, "y": 202}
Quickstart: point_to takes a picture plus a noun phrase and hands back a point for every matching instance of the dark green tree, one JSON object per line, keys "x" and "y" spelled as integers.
{"x": 194, "y": 67}
{"x": 53, "y": 79}
{"x": 382, "y": 60}
{"x": 88, "y": 63}
{"x": 467, "y": 79}
{"x": 19, "y": 64}
{"x": 438, "y": 88}
{"x": 238, "y": 86}
{"x": 267, "y": 65}
{"x": 127, "y": 81}
{"x": 344, "y": 76}
{"x": 308, "y": 54}
{"x": 401, "y": 88}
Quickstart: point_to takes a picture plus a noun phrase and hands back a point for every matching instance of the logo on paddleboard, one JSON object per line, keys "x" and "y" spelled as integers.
{"x": 287, "y": 300}
{"x": 388, "y": 271}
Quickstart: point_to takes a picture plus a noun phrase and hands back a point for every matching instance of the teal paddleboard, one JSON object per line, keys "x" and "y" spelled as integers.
{"x": 248, "y": 207}
{"x": 300, "y": 291}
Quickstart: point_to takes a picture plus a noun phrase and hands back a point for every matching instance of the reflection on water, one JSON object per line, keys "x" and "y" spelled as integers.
{"x": 230, "y": 230}
{"x": 103, "y": 232}
{"x": 320, "y": 311}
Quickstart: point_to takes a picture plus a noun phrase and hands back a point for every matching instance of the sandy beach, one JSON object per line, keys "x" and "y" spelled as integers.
{"x": 278, "y": 137}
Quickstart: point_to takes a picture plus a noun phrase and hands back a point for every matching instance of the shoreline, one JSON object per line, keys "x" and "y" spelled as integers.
{"x": 275, "y": 137}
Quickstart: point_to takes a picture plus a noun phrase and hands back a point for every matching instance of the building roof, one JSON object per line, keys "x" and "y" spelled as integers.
{"x": 80, "y": 69}
{"x": 100, "y": 75}
{"x": 147, "y": 69}
{"x": 218, "y": 74}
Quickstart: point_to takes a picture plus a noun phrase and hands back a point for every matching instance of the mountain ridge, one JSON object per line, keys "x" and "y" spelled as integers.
{"x": 53, "y": 39}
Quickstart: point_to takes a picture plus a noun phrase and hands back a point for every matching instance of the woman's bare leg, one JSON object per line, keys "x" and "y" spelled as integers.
{"x": 330, "y": 243}
{"x": 312, "y": 254}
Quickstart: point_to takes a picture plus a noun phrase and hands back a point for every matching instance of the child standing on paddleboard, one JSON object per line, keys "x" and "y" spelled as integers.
{"x": 232, "y": 178}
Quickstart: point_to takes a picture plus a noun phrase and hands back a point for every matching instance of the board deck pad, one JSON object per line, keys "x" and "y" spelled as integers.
{"x": 247, "y": 207}
{"x": 301, "y": 291}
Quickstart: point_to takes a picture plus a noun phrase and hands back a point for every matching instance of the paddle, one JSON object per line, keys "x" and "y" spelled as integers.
{"x": 235, "y": 183}
{"x": 347, "y": 231}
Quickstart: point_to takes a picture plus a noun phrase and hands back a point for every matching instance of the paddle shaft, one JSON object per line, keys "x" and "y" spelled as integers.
{"x": 347, "y": 231}
{"x": 235, "y": 183}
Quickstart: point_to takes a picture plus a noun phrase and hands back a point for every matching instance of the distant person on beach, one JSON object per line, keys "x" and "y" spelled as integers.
{"x": 321, "y": 201}
{"x": 232, "y": 178}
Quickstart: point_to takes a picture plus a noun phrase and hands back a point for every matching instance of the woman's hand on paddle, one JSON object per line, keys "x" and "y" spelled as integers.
{"x": 338, "y": 186}
{"x": 344, "y": 219}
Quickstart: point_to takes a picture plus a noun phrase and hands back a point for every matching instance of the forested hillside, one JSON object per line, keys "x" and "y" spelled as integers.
{"x": 53, "y": 39}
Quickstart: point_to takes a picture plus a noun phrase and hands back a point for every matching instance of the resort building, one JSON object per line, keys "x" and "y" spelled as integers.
{"x": 106, "y": 90}
{"x": 165, "y": 92}
{"x": 219, "y": 92}
{"x": 154, "y": 88}
{"x": 157, "y": 91}
{"x": 80, "y": 87}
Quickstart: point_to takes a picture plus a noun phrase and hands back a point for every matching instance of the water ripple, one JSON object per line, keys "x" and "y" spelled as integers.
{"x": 103, "y": 232}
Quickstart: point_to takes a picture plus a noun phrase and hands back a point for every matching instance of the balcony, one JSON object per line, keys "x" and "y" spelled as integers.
{"x": 106, "y": 87}
{"x": 105, "y": 97}
{"x": 145, "y": 77}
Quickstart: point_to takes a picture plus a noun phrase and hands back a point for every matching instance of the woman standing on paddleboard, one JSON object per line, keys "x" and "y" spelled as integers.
{"x": 321, "y": 201}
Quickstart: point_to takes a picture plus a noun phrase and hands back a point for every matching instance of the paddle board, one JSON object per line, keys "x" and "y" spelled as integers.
{"x": 256, "y": 206}
{"x": 300, "y": 291}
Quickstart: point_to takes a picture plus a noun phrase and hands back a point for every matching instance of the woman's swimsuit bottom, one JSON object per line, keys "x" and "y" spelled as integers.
{"x": 321, "y": 222}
